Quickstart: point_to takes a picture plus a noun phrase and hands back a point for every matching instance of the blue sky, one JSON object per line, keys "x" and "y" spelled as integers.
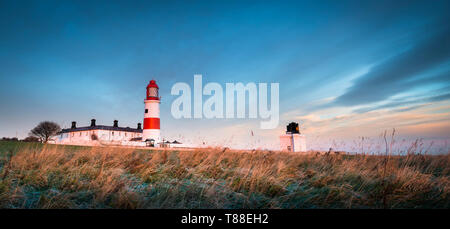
{"x": 346, "y": 68}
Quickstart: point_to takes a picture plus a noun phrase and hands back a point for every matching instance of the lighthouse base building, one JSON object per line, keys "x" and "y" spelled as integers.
{"x": 293, "y": 141}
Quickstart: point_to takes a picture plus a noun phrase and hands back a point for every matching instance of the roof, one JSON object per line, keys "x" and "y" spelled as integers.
{"x": 152, "y": 84}
{"x": 112, "y": 128}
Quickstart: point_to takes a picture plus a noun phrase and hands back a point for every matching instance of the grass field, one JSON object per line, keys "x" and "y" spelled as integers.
{"x": 49, "y": 176}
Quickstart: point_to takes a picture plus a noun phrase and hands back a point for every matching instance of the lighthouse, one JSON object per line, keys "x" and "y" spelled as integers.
{"x": 151, "y": 132}
{"x": 293, "y": 141}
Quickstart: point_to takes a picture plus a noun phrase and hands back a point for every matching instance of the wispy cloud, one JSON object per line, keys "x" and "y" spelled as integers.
{"x": 396, "y": 75}
{"x": 432, "y": 118}
{"x": 403, "y": 103}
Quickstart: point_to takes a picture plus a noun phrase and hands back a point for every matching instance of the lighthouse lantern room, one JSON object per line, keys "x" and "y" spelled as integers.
{"x": 152, "y": 90}
{"x": 151, "y": 132}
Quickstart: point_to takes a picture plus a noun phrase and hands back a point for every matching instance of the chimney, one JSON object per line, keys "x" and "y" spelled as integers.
{"x": 92, "y": 122}
{"x": 74, "y": 125}
{"x": 139, "y": 126}
{"x": 116, "y": 123}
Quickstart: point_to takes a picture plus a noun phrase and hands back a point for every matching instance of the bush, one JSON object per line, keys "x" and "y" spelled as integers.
{"x": 31, "y": 139}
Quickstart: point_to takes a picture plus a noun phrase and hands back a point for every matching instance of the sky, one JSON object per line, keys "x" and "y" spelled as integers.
{"x": 348, "y": 70}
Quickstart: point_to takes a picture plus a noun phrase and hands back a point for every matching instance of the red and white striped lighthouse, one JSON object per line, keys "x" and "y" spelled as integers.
{"x": 151, "y": 130}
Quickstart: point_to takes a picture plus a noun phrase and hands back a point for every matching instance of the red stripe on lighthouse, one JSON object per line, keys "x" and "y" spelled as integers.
{"x": 151, "y": 123}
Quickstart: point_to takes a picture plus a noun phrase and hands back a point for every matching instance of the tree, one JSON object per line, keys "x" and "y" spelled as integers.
{"x": 45, "y": 130}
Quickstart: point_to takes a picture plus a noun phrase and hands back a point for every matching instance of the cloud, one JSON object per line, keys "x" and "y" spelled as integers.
{"x": 398, "y": 103}
{"x": 397, "y": 74}
{"x": 375, "y": 122}
{"x": 404, "y": 109}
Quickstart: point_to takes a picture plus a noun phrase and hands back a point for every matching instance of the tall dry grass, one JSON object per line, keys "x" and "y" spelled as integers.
{"x": 61, "y": 177}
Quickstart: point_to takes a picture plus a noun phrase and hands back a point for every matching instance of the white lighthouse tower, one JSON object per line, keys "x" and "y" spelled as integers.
{"x": 151, "y": 132}
{"x": 293, "y": 141}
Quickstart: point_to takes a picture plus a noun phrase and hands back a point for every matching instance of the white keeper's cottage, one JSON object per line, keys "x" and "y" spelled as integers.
{"x": 100, "y": 135}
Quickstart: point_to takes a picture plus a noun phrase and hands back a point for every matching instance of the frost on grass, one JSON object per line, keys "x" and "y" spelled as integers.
{"x": 82, "y": 177}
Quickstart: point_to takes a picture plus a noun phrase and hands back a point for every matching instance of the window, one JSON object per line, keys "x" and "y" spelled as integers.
{"x": 146, "y": 111}
{"x": 113, "y": 133}
{"x": 153, "y": 92}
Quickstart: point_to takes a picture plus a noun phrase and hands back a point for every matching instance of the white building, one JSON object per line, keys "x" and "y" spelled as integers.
{"x": 100, "y": 135}
{"x": 293, "y": 141}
